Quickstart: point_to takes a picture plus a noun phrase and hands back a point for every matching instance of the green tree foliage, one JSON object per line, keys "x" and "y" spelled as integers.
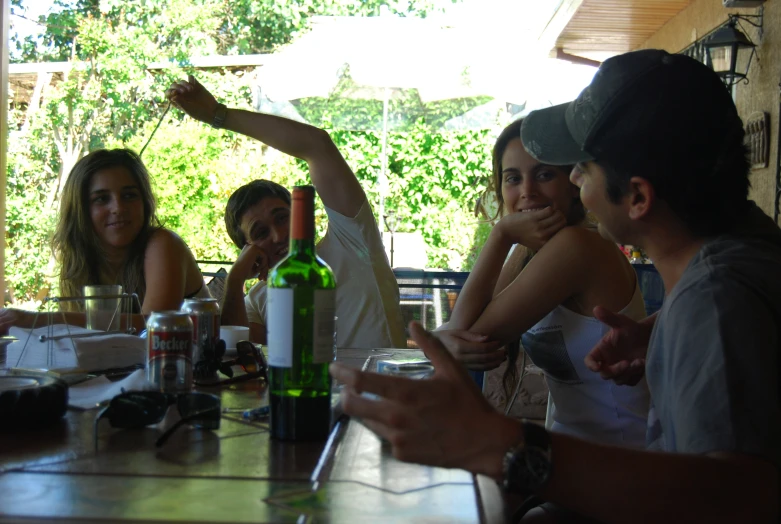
{"x": 112, "y": 98}
{"x": 230, "y": 26}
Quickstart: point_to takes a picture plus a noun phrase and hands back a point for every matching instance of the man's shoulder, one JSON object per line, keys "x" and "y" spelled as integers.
{"x": 363, "y": 216}
{"x": 359, "y": 234}
{"x": 735, "y": 259}
{"x": 731, "y": 280}
{"x": 257, "y": 291}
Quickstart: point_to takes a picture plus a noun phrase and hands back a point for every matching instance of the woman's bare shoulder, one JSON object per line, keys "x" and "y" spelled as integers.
{"x": 166, "y": 237}
{"x": 576, "y": 240}
{"x": 585, "y": 247}
{"x": 166, "y": 242}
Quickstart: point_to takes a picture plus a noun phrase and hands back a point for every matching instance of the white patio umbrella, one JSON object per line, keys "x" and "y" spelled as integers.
{"x": 386, "y": 58}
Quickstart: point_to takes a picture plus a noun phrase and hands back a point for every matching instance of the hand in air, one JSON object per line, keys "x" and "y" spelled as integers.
{"x": 474, "y": 351}
{"x": 442, "y": 421}
{"x": 252, "y": 262}
{"x": 194, "y": 99}
{"x": 532, "y": 228}
{"x": 620, "y": 354}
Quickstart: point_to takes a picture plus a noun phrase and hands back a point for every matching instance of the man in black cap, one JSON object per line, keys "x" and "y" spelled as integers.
{"x": 661, "y": 163}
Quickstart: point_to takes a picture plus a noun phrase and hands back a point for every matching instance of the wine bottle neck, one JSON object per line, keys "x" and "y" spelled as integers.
{"x": 302, "y": 225}
{"x": 301, "y": 245}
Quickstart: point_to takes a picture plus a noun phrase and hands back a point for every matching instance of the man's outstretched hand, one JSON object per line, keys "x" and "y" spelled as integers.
{"x": 194, "y": 99}
{"x": 442, "y": 421}
{"x": 620, "y": 354}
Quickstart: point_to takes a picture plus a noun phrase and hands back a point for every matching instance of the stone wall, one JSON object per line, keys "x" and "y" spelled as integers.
{"x": 762, "y": 91}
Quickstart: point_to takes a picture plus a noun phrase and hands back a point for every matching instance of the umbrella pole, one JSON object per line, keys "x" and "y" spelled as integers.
{"x": 384, "y": 172}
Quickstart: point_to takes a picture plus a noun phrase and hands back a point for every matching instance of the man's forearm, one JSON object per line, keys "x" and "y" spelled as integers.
{"x": 234, "y": 313}
{"x": 288, "y": 136}
{"x": 617, "y": 485}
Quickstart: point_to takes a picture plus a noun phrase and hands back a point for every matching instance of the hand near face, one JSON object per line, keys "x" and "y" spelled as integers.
{"x": 620, "y": 354}
{"x": 442, "y": 421}
{"x": 252, "y": 262}
{"x": 194, "y": 99}
{"x": 532, "y": 228}
{"x": 474, "y": 351}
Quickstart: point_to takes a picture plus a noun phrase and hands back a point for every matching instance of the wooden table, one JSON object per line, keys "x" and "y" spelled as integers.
{"x": 234, "y": 474}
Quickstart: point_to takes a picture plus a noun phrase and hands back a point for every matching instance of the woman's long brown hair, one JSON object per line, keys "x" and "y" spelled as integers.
{"x": 75, "y": 244}
{"x": 494, "y": 189}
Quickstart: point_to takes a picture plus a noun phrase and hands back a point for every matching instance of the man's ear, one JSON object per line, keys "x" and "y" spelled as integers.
{"x": 641, "y": 197}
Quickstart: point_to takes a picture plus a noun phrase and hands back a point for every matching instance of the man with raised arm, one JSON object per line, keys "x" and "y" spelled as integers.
{"x": 257, "y": 219}
{"x": 661, "y": 163}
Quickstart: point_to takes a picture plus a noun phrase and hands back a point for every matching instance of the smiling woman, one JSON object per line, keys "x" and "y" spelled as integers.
{"x": 544, "y": 293}
{"x": 108, "y": 233}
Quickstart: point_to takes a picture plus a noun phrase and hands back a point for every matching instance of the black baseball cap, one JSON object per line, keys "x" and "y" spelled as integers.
{"x": 630, "y": 97}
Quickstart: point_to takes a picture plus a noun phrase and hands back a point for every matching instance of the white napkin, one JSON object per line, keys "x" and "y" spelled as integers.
{"x": 87, "y": 395}
{"x": 116, "y": 350}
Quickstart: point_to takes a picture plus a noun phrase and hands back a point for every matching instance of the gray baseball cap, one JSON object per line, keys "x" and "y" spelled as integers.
{"x": 627, "y": 94}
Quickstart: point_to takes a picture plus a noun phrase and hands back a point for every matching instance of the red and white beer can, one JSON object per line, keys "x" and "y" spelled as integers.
{"x": 169, "y": 355}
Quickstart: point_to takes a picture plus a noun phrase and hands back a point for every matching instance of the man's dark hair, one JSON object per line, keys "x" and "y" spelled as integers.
{"x": 244, "y": 198}
{"x": 699, "y": 167}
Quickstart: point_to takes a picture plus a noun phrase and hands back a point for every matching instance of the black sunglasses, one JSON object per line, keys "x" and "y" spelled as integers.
{"x": 136, "y": 409}
{"x": 212, "y": 362}
{"x": 251, "y": 360}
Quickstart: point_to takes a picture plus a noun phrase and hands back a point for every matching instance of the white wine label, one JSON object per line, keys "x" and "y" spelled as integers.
{"x": 324, "y": 335}
{"x": 279, "y": 327}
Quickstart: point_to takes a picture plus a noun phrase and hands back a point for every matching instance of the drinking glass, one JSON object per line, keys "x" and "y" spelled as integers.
{"x": 104, "y": 314}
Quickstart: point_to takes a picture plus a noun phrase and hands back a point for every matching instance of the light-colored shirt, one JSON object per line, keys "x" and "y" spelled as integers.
{"x": 367, "y": 295}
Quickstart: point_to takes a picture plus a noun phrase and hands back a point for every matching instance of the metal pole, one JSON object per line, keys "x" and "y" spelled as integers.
{"x": 391, "y": 260}
{"x": 5, "y": 15}
{"x": 384, "y": 172}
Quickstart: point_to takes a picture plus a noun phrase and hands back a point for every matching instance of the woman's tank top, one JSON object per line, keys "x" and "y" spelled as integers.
{"x": 585, "y": 405}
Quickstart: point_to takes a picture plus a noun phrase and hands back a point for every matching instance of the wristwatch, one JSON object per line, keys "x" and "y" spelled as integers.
{"x": 219, "y": 116}
{"x": 528, "y": 465}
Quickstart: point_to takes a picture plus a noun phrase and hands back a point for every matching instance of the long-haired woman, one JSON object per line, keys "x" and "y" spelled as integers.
{"x": 108, "y": 233}
{"x": 544, "y": 293}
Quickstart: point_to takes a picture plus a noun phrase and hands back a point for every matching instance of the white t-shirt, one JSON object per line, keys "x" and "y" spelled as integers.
{"x": 367, "y": 295}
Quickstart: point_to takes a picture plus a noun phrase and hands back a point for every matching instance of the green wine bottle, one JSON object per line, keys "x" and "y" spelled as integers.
{"x": 300, "y": 323}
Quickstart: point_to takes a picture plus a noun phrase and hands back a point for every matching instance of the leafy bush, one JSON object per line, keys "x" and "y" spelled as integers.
{"x": 111, "y": 98}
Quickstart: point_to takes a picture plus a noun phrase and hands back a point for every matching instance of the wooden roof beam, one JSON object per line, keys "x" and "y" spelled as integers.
{"x": 557, "y": 23}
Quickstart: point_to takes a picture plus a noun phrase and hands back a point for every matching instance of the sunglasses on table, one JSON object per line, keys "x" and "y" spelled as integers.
{"x": 251, "y": 360}
{"x": 137, "y": 409}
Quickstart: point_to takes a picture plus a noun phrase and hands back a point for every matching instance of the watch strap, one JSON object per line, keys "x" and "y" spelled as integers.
{"x": 527, "y": 466}
{"x": 219, "y": 116}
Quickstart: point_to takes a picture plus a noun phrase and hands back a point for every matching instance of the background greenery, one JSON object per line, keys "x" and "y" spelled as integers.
{"x": 111, "y": 99}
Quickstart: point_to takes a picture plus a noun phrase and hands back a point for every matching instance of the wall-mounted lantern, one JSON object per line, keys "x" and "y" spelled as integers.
{"x": 731, "y": 51}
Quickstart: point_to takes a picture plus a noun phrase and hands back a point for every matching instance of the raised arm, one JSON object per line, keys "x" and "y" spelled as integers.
{"x": 511, "y": 268}
{"x": 479, "y": 287}
{"x": 480, "y": 295}
{"x": 252, "y": 263}
{"x": 332, "y": 177}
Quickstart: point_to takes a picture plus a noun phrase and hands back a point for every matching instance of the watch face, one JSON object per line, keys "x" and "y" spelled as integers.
{"x": 538, "y": 465}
